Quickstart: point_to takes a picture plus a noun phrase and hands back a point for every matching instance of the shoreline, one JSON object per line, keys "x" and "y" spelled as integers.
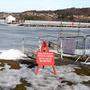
{"x": 37, "y": 23}
{"x": 28, "y": 25}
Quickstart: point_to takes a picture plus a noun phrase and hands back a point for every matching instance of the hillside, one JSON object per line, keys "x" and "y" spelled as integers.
{"x": 71, "y": 14}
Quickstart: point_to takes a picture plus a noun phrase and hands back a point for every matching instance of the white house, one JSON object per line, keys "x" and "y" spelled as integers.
{"x": 10, "y": 19}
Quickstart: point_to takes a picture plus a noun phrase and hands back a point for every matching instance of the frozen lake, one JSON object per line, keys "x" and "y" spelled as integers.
{"x": 12, "y": 36}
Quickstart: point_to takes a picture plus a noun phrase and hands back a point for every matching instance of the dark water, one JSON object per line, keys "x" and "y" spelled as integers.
{"x": 18, "y": 36}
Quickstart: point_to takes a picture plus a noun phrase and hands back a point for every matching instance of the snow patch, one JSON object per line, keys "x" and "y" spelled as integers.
{"x": 12, "y": 54}
{"x": 87, "y": 63}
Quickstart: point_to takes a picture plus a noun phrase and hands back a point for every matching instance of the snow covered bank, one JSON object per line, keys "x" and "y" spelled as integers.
{"x": 12, "y": 54}
{"x": 43, "y": 81}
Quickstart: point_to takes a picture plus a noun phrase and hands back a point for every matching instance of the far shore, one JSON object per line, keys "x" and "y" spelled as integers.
{"x": 37, "y": 23}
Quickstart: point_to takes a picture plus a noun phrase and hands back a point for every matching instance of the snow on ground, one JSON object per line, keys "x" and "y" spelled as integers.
{"x": 45, "y": 80}
{"x": 87, "y": 63}
{"x": 69, "y": 75}
{"x": 74, "y": 87}
{"x": 11, "y": 54}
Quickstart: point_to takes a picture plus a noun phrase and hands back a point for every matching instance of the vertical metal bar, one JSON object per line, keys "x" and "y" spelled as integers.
{"x": 23, "y": 48}
{"x": 78, "y": 34}
{"x": 61, "y": 48}
{"x": 84, "y": 42}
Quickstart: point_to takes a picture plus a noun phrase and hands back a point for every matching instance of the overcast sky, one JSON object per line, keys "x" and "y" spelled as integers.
{"x": 23, "y": 5}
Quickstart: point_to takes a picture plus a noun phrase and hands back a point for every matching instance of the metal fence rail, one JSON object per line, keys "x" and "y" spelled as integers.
{"x": 74, "y": 43}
